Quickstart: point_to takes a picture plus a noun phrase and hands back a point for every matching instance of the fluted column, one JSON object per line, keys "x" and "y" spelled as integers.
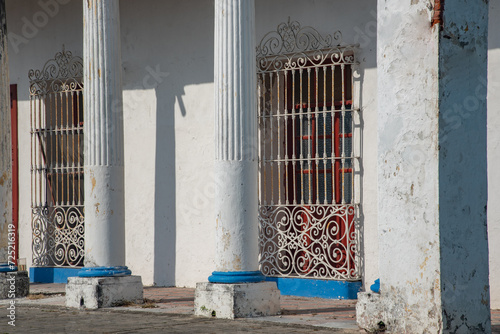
{"x": 104, "y": 170}
{"x": 5, "y": 140}
{"x": 236, "y": 143}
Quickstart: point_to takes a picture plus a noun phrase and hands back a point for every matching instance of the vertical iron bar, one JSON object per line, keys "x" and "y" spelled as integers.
{"x": 35, "y": 151}
{"x": 271, "y": 143}
{"x": 316, "y": 131}
{"x": 43, "y": 140}
{"x": 80, "y": 162}
{"x": 264, "y": 158}
{"x": 73, "y": 156}
{"x": 334, "y": 172}
{"x": 325, "y": 182}
{"x": 294, "y": 134}
{"x": 342, "y": 67}
{"x": 352, "y": 132}
{"x": 301, "y": 141}
{"x": 52, "y": 158}
{"x": 40, "y": 152}
{"x": 309, "y": 138}
{"x": 287, "y": 194}
{"x": 278, "y": 118}
{"x": 31, "y": 148}
{"x": 66, "y": 164}
{"x": 259, "y": 133}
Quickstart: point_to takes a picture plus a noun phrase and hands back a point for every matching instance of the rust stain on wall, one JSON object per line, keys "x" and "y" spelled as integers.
{"x": 438, "y": 13}
{"x": 237, "y": 263}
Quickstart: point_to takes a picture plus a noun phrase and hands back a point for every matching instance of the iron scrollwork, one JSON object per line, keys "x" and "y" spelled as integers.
{"x": 57, "y": 162}
{"x": 309, "y": 239}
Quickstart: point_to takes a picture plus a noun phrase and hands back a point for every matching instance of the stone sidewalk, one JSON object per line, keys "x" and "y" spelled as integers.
{"x": 170, "y": 310}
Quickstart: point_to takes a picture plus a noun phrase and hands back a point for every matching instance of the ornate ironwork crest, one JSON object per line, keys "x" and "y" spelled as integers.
{"x": 61, "y": 74}
{"x": 290, "y": 37}
{"x": 292, "y": 46}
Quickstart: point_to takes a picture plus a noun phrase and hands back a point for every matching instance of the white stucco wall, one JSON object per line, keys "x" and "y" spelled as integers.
{"x": 167, "y": 52}
{"x": 494, "y": 151}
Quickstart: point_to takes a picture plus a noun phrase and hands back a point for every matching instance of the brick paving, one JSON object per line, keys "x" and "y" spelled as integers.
{"x": 175, "y": 306}
{"x": 495, "y": 321}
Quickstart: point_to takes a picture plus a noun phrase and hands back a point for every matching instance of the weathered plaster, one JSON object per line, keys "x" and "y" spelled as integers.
{"x": 98, "y": 292}
{"x": 408, "y": 160}
{"x": 229, "y": 301}
{"x": 432, "y": 219}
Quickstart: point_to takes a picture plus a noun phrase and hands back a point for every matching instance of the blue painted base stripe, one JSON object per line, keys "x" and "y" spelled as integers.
{"x": 51, "y": 274}
{"x": 234, "y": 277}
{"x": 317, "y": 288}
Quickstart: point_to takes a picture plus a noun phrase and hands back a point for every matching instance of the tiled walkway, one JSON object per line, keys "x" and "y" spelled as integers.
{"x": 294, "y": 310}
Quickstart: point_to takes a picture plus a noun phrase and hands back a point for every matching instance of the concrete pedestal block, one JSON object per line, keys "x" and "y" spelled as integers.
{"x": 14, "y": 284}
{"x": 98, "y": 292}
{"x": 370, "y": 312}
{"x": 231, "y": 301}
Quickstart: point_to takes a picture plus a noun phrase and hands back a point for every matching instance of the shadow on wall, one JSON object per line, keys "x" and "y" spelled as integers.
{"x": 168, "y": 46}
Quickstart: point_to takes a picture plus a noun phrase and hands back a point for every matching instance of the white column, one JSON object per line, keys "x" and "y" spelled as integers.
{"x": 245, "y": 293}
{"x": 5, "y": 140}
{"x": 104, "y": 178}
{"x": 236, "y": 137}
{"x": 432, "y": 180}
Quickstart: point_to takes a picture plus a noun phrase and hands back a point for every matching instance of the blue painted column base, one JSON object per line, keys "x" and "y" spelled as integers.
{"x": 104, "y": 271}
{"x": 375, "y": 287}
{"x": 234, "y": 277}
{"x": 5, "y": 267}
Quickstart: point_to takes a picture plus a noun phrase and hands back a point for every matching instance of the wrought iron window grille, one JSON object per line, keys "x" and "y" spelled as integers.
{"x": 57, "y": 196}
{"x": 308, "y": 210}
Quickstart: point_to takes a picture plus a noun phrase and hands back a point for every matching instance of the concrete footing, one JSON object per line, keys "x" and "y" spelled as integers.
{"x": 14, "y": 284}
{"x": 98, "y": 292}
{"x": 231, "y": 301}
{"x": 370, "y": 312}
